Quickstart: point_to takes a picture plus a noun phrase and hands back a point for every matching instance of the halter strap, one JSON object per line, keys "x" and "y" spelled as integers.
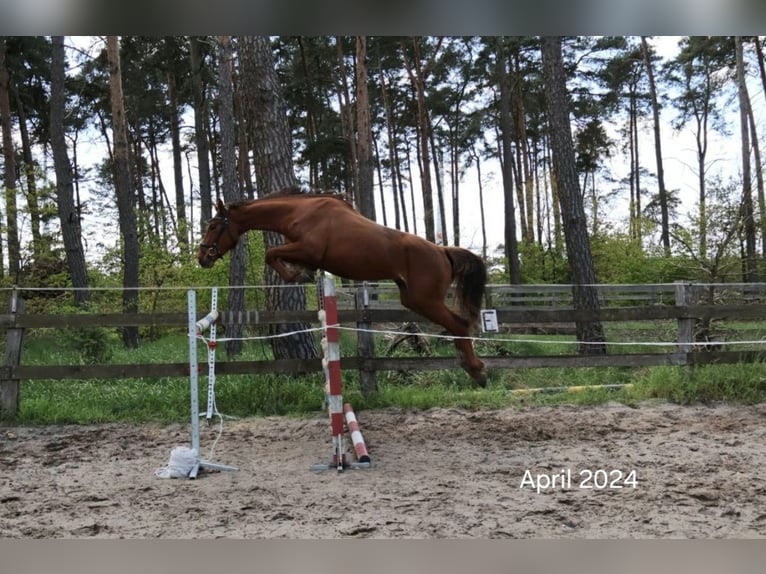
{"x": 212, "y": 248}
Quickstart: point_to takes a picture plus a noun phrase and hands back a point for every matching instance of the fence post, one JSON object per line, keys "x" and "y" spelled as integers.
{"x": 365, "y": 345}
{"x": 684, "y": 298}
{"x": 9, "y": 386}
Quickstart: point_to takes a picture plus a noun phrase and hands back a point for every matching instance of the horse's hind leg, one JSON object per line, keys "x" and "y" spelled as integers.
{"x": 470, "y": 362}
{"x": 439, "y": 313}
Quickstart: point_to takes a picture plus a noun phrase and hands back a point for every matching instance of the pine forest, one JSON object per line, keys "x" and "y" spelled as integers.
{"x": 557, "y": 159}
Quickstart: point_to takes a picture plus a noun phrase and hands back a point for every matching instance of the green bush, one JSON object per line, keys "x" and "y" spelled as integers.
{"x": 93, "y": 344}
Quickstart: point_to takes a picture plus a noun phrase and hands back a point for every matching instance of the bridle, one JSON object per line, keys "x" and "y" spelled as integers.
{"x": 212, "y": 248}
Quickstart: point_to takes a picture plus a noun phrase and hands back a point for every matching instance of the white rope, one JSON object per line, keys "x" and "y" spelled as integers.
{"x": 504, "y": 340}
{"x": 266, "y": 337}
{"x": 220, "y": 429}
{"x": 152, "y": 288}
{"x": 496, "y": 339}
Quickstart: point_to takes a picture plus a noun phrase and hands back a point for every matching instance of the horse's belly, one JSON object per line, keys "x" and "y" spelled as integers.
{"x": 362, "y": 265}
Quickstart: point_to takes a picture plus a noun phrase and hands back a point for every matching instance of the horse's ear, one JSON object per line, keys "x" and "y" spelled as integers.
{"x": 220, "y": 206}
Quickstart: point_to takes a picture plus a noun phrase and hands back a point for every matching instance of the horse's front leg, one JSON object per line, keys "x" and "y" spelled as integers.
{"x": 286, "y": 260}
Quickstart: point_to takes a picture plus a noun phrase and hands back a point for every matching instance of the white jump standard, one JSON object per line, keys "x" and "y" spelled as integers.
{"x": 196, "y": 328}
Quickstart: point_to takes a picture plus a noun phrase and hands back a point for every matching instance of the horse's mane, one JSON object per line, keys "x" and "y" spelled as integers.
{"x": 295, "y": 191}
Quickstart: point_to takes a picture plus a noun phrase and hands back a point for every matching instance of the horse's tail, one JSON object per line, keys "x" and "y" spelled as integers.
{"x": 470, "y": 275}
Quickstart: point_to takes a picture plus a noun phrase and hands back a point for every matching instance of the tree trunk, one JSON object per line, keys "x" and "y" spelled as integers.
{"x": 540, "y": 196}
{"x": 524, "y": 169}
{"x": 511, "y": 68}
{"x": 31, "y": 194}
{"x": 230, "y": 188}
{"x": 201, "y": 134}
{"x": 410, "y": 179}
{"x": 558, "y": 233}
{"x": 480, "y": 185}
{"x": 154, "y": 210}
{"x": 69, "y": 215}
{"x": 759, "y": 180}
{"x": 455, "y": 182}
{"x": 381, "y": 179}
{"x": 572, "y": 211}
{"x": 663, "y": 194}
{"x": 245, "y": 178}
{"x": 701, "y": 137}
{"x": 418, "y": 74}
{"x": 270, "y": 136}
{"x": 635, "y": 170}
{"x": 761, "y": 59}
{"x": 402, "y": 195}
{"x": 364, "y": 155}
{"x": 178, "y": 173}
{"x": 506, "y": 131}
{"x": 144, "y": 220}
{"x": 123, "y": 185}
{"x": 440, "y": 218}
{"x": 9, "y": 179}
{"x": 400, "y": 206}
{"x": 365, "y": 186}
{"x": 311, "y": 112}
{"x": 165, "y": 207}
{"x": 748, "y": 219}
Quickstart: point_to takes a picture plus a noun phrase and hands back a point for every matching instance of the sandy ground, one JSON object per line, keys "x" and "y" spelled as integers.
{"x": 699, "y": 472}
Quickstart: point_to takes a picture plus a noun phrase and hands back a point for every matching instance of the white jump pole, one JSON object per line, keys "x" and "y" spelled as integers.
{"x": 196, "y": 328}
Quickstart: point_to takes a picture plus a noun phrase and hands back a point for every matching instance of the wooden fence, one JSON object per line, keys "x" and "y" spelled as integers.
{"x": 693, "y": 309}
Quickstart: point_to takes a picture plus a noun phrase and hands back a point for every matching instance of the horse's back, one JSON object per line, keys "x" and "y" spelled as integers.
{"x": 367, "y": 250}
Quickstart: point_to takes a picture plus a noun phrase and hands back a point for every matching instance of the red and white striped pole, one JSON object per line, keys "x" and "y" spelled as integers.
{"x": 331, "y": 363}
{"x": 356, "y": 434}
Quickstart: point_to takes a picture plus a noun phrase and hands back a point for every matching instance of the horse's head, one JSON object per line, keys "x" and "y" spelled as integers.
{"x": 221, "y": 235}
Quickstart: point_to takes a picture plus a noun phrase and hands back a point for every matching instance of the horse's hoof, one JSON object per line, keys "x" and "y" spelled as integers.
{"x": 481, "y": 379}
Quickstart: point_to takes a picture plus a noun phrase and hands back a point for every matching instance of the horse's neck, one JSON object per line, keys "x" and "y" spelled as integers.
{"x": 261, "y": 215}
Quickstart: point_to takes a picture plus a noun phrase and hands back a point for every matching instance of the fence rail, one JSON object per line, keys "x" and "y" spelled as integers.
{"x": 517, "y": 316}
{"x": 525, "y": 309}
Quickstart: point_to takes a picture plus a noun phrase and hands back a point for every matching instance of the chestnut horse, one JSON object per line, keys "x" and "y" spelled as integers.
{"x": 323, "y": 231}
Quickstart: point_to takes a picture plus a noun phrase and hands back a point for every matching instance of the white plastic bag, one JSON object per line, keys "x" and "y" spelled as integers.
{"x": 181, "y": 462}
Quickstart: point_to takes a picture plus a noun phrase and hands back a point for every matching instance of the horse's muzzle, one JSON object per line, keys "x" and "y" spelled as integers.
{"x": 205, "y": 258}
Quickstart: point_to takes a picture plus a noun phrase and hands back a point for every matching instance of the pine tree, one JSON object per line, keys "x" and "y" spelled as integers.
{"x": 69, "y": 216}
{"x": 123, "y": 186}
{"x": 270, "y": 136}
{"x": 573, "y": 213}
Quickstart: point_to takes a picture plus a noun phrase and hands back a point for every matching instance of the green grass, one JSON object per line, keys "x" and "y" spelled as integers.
{"x": 47, "y": 401}
{"x": 167, "y": 399}
{"x": 740, "y": 383}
